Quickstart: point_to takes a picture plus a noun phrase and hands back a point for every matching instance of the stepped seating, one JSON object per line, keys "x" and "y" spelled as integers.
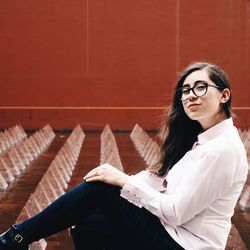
{"x": 245, "y": 137}
{"x": 234, "y": 241}
{"x": 244, "y": 201}
{"x": 3, "y": 183}
{"x": 10, "y": 137}
{"x": 20, "y": 155}
{"x": 147, "y": 147}
{"x": 55, "y": 180}
{"x": 109, "y": 150}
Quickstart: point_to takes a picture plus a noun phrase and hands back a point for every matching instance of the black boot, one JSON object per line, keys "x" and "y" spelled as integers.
{"x": 12, "y": 240}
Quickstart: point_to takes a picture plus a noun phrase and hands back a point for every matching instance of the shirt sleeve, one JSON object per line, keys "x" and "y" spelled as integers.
{"x": 210, "y": 177}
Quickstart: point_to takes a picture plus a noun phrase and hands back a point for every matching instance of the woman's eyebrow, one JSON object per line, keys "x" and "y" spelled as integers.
{"x": 185, "y": 85}
{"x": 197, "y": 81}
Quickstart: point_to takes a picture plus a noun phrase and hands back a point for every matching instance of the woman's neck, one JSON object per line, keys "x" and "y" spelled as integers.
{"x": 206, "y": 124}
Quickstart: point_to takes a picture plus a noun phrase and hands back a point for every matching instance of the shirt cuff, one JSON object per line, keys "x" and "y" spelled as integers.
{"x": 128, "y": 193}
{"x": 142, "y": 195}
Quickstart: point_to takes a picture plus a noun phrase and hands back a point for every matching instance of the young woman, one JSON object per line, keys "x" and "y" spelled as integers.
{"x": 185, "y": 201}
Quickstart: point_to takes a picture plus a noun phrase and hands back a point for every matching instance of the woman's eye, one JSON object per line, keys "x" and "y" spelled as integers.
{"x": 185, "y": 91}
{"x": 200, "y": 88}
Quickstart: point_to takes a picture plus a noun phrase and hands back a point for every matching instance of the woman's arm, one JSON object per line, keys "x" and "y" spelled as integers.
{"x": 209, "y": 178}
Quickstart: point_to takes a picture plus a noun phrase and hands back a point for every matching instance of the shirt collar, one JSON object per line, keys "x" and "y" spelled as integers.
{"x": 215, "y": 131}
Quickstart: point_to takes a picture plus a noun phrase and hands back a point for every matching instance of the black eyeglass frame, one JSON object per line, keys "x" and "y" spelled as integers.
{"x": 206, "y": 85}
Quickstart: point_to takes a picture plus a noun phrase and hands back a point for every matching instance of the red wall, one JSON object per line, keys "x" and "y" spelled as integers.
{"x": 112, "y": 61}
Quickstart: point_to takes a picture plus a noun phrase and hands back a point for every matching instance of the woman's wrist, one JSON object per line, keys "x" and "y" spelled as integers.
{"x": 123, "y": 180}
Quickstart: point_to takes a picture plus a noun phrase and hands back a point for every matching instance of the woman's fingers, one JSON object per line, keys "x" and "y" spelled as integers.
{"x": 91, "y": 174}
{"x": 94, "y": 178}
{"x": 97, "y": 172}
{"x": 106, "y": 173}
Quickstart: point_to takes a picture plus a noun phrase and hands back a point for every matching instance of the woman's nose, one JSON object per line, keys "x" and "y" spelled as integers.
{"x": 191, "y": 95}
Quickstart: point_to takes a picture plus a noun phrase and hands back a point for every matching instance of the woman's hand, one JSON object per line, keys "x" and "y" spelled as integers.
{"x": 108, "y": 174}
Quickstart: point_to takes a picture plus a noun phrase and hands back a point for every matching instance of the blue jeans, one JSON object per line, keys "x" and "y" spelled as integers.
{"x": 133, "y": 227}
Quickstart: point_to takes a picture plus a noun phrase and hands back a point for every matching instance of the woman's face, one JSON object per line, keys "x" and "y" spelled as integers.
{"x": 204, "y": 109}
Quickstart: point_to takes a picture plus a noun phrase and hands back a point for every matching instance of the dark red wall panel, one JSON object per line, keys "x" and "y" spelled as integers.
{"x": 132, "y": 51}
{"x": 96, "y": 62}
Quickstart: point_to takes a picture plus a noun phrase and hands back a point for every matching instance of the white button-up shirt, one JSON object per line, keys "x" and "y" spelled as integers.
{"x": 196, "y": 200}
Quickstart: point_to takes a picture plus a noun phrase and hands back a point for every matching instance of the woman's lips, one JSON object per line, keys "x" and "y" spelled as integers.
{"x": 193, "y": 105}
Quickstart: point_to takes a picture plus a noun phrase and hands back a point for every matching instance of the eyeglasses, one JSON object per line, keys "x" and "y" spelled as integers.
{"x": 199, "y": 89}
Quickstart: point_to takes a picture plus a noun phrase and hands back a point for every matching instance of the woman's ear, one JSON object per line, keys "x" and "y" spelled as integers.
{"x": 225, "y": 95}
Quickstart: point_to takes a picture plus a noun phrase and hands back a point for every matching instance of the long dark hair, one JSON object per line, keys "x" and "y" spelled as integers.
{"x": 180, "y": 132}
